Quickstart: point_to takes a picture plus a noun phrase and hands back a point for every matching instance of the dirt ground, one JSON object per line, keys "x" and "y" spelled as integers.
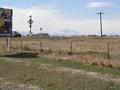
{"x": 13, "y": 86}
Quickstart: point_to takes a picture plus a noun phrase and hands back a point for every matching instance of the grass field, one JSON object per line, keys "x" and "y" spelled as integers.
{"x": 56, "y": 68}
{"x": 45, "y": 74}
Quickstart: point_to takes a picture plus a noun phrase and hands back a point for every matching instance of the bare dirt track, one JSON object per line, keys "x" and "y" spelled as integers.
{"x": 48, "y": 69}
{"x": 13, "y": 86}
{"x": 105, "y": 77}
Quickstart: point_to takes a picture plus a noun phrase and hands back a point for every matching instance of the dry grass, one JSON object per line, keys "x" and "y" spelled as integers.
{"x": 87, "y": 50}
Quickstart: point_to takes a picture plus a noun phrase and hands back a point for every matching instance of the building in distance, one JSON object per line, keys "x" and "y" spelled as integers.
{"x": 41, "y": 35}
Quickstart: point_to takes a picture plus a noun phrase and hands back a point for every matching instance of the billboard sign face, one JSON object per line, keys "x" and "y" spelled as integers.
{"x": 6, "y": 22}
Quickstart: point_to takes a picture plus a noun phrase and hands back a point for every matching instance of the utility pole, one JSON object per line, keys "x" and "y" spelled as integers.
{"x": 100, "y": 13}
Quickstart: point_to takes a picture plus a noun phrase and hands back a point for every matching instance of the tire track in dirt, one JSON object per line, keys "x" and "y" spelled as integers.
{"x": 105, "y": 77}
{"x": 6, "y": 85}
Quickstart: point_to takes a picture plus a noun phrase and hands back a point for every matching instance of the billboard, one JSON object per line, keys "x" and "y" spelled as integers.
{"x": 6, "y": 22}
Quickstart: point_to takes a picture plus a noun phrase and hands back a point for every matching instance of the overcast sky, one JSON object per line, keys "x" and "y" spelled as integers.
{"x": 66, "y": 17}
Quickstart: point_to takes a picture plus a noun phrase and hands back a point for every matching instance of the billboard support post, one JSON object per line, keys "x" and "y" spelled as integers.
{"x": 8, "y": 44}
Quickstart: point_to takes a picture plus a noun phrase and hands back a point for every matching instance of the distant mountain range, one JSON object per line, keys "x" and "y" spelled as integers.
{"x": 66, "y": 32}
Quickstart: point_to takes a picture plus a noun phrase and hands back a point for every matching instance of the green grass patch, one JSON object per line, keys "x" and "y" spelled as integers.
{"x": 51, "y": 80}
{"x": 75, "y": 65}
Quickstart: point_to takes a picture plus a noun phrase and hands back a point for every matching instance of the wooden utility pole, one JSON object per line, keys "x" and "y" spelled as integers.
{"x": 101, "y": 28}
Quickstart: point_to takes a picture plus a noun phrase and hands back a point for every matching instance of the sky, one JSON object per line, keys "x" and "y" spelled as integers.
{"x": 65, "y": 17}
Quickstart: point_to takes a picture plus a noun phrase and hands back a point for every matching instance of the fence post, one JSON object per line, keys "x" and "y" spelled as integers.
{"x": 108, "y": 51}
{"x": 50, "y": 48}
{"x": 21, "y": 44}
{"x": 71, "y": 48}
{"x": 41, "y": 49}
